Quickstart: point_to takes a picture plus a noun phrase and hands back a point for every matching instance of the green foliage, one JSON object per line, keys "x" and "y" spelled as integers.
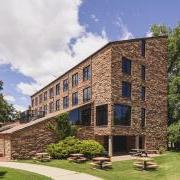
{"x": 174, "y": 132}
{"x": 69, "y": 145}
{"x": 173, "y": 68}
{"x": 7, "y": 111}
{"x": 90, "y": 148}
{"x": 63, "y": 128}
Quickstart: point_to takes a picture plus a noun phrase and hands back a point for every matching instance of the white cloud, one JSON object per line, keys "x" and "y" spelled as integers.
{"x": 125, "y": 33}
{"x": 9, "y": 98}
{"x": 93, "y": 16}
{"x": 28, "y": 89}
{"x": 149, "y": 34}
{"x": 19, "y": 107}
{"x": 35, "y": 38}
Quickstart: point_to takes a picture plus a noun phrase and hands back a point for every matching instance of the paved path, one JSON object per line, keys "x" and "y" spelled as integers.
{"x": 52, "y": 172}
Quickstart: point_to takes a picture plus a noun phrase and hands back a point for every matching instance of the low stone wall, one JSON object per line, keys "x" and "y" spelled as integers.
{"x": 27, "y": 142}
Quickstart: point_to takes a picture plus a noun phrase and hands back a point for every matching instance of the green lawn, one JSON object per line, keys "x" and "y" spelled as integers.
{"x": 169, "y": 169}
{"x": 14, "y": 174}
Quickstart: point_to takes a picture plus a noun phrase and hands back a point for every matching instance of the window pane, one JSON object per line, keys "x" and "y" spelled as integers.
{"x": 101, "y": 115}
{"x": 126, "y": 66}
{"x": 86, "y": 73}
{"x": 87, "y": 94}
{"x": 75, "y": 80}
{"x": 122, "y": 115}
{"x": 143, "y": 117}
{"x": 65, "y": 85}
{"x": 57, "y": 89}
{"x": 65, "y": 102}
{"x": 143, "y": 72}
{"x": 75, "y": 98}
{"x": 143, "y": 47}
{"x": 126, "y": 89}
{"x": 143, "y": 93}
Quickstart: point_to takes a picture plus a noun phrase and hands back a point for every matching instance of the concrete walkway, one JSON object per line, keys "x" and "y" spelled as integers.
{"x": 52, "y": 172}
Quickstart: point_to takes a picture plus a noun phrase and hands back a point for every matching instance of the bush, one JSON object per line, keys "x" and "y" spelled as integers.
{"x": 69, "y": 145}
{"x": 91, "y": 148}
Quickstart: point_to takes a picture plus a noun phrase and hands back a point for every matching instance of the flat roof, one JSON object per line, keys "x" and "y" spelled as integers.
{"x": 108, "y": 44}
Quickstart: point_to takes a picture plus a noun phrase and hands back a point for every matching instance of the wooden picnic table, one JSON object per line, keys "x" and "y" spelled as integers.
{"x": 77, "y": 155}
{"x": 139, "y": 152}
{"x": 145, "y": 161}
{"x": 42, "y": 156}
{"x": 101, "y": 160}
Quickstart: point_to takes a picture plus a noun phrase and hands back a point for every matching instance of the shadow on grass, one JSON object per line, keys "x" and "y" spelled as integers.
{"x": 2, "y": 174}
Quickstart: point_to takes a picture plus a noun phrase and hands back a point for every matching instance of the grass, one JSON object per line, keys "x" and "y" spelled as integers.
{"x": 14, "y": 174}
{"x": 123, "y": 170}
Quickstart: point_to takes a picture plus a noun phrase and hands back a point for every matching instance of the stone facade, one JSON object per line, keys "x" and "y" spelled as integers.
{"x": 106, "y": 88}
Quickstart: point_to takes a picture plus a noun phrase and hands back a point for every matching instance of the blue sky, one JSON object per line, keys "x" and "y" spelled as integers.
{"x": 41, "y": 39}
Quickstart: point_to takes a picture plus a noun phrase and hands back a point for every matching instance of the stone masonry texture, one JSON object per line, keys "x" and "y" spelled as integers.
{"x": 106, "y": 86}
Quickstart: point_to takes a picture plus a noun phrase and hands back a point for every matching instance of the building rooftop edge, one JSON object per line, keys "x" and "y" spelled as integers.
{"x": 106, "y": 45}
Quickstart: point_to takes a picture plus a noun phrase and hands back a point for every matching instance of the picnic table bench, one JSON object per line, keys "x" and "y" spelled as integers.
{"x": 101, "y": 162}
{"x": 139, "y": 152}
{"x": 78, "y": 158}
{"x": 42, "y": 157}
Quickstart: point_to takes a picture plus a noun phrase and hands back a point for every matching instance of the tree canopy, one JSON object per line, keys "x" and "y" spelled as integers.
{"x": 7, "y": 111}
{"x": 173, "y": 68}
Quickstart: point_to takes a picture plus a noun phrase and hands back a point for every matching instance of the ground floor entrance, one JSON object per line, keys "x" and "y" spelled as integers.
{"x": 118, "y": 145}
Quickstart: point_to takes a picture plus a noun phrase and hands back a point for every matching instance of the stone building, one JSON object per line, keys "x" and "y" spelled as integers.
{"x": 118, "y": 96}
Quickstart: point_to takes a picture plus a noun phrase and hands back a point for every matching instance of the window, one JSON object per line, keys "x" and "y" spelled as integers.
{"x": 126, "y": 89}
{"x": 81, "y": 116}
{"x": 40, "y": 98}
{"x": 36, "y": 101}
{"x": 65, "y": 85}
{"x": 51, "y": 93}
{"x": 126, "y": 66}
{"x": 87, "y": 94}
{"x": 32, "y": 102}
{"x": 75, "y": 98}
{"x": 57, "y": 89}
{"x": 51, "y": 107}
{"x": 143, "y": 117}
{"x": 143, "y": 93}
{"x": 65, "y": 102}
{"x": 45, "y": 96}
{"x": 75, "y": 80}
{"x": 45, "y": 109}
{"x": 143, "y": 72}
{"x": 58, "y": 105}
{"x": 86, "y": 73}
{"x": 122, "y": 115}
{"x": 101, "y": 115}
{"x": 143, "y": 47}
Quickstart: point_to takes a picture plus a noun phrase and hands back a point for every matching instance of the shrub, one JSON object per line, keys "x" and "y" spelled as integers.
{"x": 69, "y": 145}
{"x": 91, "y": 148}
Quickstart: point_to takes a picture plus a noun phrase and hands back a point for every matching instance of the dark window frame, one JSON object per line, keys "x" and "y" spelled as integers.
{"x": 75, "y": 79}
{"x": 65, "y": 102}
{"x": 123, "y": 120}
{"x": 143, "y": 93}
{"x": 143, "y": 117}
{"x": 143, "y": 72}
{"x": 65, "y": 85}
{"x": 87, "y": 94}
{"x": 126, "y": 89}
{"x": 51, "y": 92}
{"x": 143, "y": 47}
{"x": 74, "y": 98}
{"x": 45, "y": 96}
{"x": 51, "y": 107}
{"x": 102, "y": 115}
{"x": 86, "y": 73}
{"x": 126, "y": 66}
{"x": 58, "y": 89}
{"x": 57, "y": 105}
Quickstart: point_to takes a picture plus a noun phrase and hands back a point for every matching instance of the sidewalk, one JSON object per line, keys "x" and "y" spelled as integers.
{"x": 52, "y": 172}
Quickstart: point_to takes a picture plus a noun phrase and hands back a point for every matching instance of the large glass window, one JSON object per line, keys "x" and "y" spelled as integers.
{"x": 122, "y": 115}
{"x": 58, "y": 89}
{"x": 143, "y": 93}
{"x": 143, "y": 117}
{"x": 87, "y": 94}
{"x": 65, "y": 85}
{"x": 65, "y": 102}
{"x": 58, "y": 105}
{"x": 102, "y": 115}
{"x": 81, "y": 116}
{"x": 126, "y": 89}
{"x": 75, "y": 80}
{"x": 86, "y": 73}
{"x": 75, "y": 98}
{"x": 51, "y": 93}
{"x": 126, "y": 66}
{"x": 143, "y": 72}
{"x": 40, "y": 98}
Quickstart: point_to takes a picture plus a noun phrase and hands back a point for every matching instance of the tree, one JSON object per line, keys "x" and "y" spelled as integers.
{"x": 173, "y": 68}
{"x": 63, "y": 128}
{"x": 7, "y": 111}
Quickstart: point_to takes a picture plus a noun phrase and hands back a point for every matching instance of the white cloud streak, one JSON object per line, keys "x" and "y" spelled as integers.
{"x": 35, "y": 38}
{"x": 9, "y": 98}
